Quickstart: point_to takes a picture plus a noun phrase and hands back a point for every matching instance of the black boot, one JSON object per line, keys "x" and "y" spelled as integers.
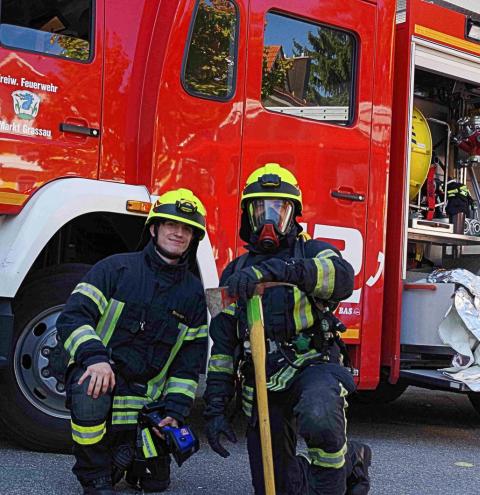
{"x": 100, "y": 486}
{"x": 157, "y": 475}
{"x": 359, "y": 458}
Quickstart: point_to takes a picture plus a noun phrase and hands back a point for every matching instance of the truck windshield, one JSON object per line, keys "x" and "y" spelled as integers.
{"x": 61, "y": 28}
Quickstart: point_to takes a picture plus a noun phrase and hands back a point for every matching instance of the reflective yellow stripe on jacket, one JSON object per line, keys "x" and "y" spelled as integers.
{"x": 79, "y": 336}
{"x": 220, "y": 363}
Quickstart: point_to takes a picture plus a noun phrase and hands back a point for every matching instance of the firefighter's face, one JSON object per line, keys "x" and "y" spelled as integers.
{"x": 173, "y": 237}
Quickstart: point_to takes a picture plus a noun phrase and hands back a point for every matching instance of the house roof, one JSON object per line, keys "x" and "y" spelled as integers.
{"x": 271, "y": 53}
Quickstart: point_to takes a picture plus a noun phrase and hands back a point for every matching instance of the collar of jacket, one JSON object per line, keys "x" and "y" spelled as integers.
{"x": 173, "y": 272}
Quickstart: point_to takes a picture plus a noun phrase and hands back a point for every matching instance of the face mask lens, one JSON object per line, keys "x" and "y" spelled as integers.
{"x": 276, "y": 211}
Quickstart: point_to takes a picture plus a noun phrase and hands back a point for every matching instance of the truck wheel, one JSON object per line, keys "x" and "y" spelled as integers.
{"x": 474, "y": 398}
{"x": 385, "y": 392}
{"x": 32, "y": 387}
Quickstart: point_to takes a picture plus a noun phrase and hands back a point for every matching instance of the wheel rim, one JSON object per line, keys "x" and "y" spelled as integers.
{"x": 38, "y": 381}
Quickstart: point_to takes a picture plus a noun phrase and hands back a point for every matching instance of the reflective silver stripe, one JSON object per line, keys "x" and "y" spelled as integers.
{"x": 129, "y": 402}
{"x": 325, "y": 278}
{"x": 302, "y": 310}
{"x": 108, "y": 322}
{"x": 156, "y": 385}
{"x": 124, "y": 417}
{"x": 93, "y": 293}
{"x": 334, "y": 460}
{"x": 155, "y": 388}
{"x": 148, "y": 447}
{"x": 230, "y": 310}
{"x": 78, "y": 337}
{"x": 281, "y": 378}
{"x": 197, "y": 333}
{"x": 247, "y": 408}
{"x": 221, "y": 363}
{"x": 248, "y": 392}
{"x": 247, "y": 399}
{"x": 181, "y": 386}
{"x": 327, "y": 253}
{"x": 88, "y": 435}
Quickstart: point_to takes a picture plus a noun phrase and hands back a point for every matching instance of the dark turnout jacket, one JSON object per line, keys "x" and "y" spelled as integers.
{"x": 318, "y": 272}
{"x": 147, "y": 317}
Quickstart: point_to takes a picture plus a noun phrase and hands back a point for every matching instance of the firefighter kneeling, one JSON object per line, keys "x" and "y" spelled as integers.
{"x": 307, "y": 380}
{"x": 136, "y": 332}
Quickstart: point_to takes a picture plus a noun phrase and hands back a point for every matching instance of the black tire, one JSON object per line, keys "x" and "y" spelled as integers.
{"x": 32, "y": 387}
{"x": 384, "y": 393}
{"x": 474, "y": 398}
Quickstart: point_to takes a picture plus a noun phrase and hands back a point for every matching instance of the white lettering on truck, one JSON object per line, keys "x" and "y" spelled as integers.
{"x": 8, "y": 80}
{"x": 51, "y": 88}
{"x": 35, "y": 131}
{"x": 25, "y": 129}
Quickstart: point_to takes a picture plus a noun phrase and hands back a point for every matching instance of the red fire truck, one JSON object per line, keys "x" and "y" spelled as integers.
{"x": 104, "y": 104}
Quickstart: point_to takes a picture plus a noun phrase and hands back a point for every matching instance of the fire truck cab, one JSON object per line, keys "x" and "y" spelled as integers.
{"x": 104, "y": 104}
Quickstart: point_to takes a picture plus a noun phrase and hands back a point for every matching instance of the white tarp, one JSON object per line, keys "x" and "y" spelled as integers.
{"x": 460, "y": 329}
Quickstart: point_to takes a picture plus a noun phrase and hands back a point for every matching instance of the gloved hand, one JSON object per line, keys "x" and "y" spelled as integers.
{"x": 299, "y": 272}
{"x": 216, "y": 426}
{"x": 242, "y": 283}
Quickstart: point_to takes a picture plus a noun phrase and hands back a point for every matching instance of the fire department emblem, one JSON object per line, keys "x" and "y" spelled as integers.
{"x": 25, "y": 104}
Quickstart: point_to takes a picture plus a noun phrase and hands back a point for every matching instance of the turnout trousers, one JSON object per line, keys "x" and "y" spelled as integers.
{"x": 314, "y": 407}
{"x": 92, "y": 439}
{"x": 96, "y": 443}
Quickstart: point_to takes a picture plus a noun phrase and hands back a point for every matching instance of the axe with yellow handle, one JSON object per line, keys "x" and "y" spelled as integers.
{"x": 257, "y": 342}
{"x": 217, "y": 300}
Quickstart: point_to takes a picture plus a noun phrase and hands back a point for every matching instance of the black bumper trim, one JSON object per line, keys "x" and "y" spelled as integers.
{"x": 6, "y": 331}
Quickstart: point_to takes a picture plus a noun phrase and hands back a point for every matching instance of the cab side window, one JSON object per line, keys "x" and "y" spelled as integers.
{"x": 210, "y": 60}
{"x": 308, "y": 70}
{"x": 54, "y": 27}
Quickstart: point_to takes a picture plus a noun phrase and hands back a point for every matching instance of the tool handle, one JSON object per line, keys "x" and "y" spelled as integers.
{"x": 257, "y": 341}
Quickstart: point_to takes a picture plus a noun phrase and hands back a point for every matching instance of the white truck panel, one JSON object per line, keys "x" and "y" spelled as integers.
{"x": 23, "y": 236}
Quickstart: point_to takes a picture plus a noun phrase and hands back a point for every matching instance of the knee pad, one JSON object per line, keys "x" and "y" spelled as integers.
{"x": 85, "y": 408}
{"x": 315, "y": 417}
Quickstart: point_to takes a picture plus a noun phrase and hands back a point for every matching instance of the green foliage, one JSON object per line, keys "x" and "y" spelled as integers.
{"x": 276, "y": 76}
{"x": 331, "y": 55}
{"x": 75, "y": 48}
{"x": 210, "y": 57}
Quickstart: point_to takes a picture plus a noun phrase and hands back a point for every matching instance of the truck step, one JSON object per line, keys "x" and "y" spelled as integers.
{"x": 432, "y": 379}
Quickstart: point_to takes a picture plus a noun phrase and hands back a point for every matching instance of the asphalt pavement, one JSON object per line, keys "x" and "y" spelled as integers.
{"x": 425, "y": 443}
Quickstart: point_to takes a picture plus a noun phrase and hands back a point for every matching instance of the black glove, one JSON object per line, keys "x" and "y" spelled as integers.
{"x": 215, "y": 427}
{"x": 299, "y": 272}
{"x": 242, "y": 283}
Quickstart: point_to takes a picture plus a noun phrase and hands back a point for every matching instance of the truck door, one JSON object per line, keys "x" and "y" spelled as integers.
{"x": 50, "y": 94}
{"x": 200, "y": 109}
{"x": 309, "y": 108}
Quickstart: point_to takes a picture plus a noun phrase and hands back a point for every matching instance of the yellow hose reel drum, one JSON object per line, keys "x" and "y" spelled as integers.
{"x": 420, "y": 152}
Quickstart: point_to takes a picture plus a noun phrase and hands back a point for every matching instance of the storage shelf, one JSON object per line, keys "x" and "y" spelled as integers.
{"x": 442, "y": 238}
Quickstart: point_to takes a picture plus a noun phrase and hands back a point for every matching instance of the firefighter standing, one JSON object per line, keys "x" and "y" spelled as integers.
{"x": 307, "y": 384}
{"x": 136, "y": 332}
